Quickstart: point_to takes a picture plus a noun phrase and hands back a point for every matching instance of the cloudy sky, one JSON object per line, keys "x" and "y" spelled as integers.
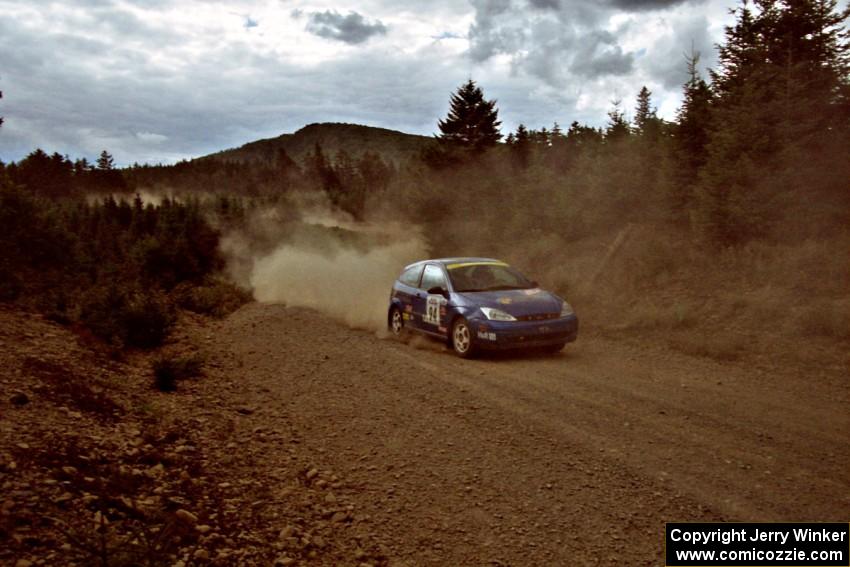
{"x": 161, "y": 80}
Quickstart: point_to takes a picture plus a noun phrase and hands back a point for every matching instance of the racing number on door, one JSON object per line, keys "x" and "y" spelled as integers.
{"x": 432, "y": 310}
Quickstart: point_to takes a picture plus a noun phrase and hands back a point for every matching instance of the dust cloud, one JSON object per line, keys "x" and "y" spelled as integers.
{"x": 323, "y": 261}
{"x": 350, "y": 285}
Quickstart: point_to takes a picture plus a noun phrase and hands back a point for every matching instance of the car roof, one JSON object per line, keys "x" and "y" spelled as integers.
{"x": 453, "y": 260}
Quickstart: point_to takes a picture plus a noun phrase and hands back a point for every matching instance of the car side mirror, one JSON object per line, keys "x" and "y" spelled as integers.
{"x": 436, "y": 290}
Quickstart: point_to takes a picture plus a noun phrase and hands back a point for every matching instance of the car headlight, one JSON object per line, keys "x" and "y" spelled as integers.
{"x": 566, "y": 310}
{"x": 497, "y": 314}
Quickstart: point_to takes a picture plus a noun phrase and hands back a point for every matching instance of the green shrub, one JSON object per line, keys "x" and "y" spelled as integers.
{"x": 100, "y": 312}
{"x": 218, "y": 298}
{"x": 128, "y": 318}
{"x": 147, "y": 319}
{"x": 108, "y": 265}
{"x": 167, "y": 370}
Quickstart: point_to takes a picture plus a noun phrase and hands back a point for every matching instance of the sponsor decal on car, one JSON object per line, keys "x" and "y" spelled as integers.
{"x": 486, "y": 336}
{"x": 505, "y": 300}
{"x": 442, "y": 329}
{"x": 432, "y": 309}
{"x": 408, "y": 308}
{"x": 534, "y": 291}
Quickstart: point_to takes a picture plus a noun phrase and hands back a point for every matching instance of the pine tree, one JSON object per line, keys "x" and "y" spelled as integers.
{"x": 105, "y": 176}
{"x": 81, "y": 167}
{"x": 374, "y": 172}
{"x": 650, "y": 168}
{"x": 742, "y": 138}
{"x": 521, "y": 147}
{"x": 618, "y": 127}
{"x": 693, "y": 121}
{"x": 645, "y": 116}
{"x": 345, "y": 170}
{"x": 315, "y": 162}
{"x": 323, "y": 174}
{"x": 694, "y": 116}
{"x": 472, "y": 123}
{"x": 542, "y": 137}
{"x": 285, "y": 164}
{"x": 105, "y": 162}
{"x": 781, "y": 100}
{"x": 790, "y": 59}
{"x": 554, "y": 158}
{"x": 740, "y": 53}
{"x": 810, "y": 46}
{"x": 567, "y": 148}
{"x": 285, "y": 172}
{"x": 582, "y": 136}
{"x": 50, "y": 176}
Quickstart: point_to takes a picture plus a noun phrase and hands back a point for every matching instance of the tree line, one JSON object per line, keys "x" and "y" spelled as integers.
{"x": 757, "y": 150}
{"x": 771, "y": 118}
{"x": 56, "y": 176}
{"x": 766, "y": 132}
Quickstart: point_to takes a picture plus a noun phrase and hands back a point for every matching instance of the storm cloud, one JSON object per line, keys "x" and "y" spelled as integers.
{"x": 352, "y": 28}
{"x": 554, "y": 40}
{"x": 545, "y": 4}
{"x": 161, "y": 80}
{"x": 640, "y": 5}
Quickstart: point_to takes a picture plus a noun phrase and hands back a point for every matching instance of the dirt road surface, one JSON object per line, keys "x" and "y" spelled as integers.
{"x": 577, "y": 458}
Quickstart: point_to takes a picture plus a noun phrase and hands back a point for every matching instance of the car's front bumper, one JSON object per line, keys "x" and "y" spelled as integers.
{"x": 524, "y": 334}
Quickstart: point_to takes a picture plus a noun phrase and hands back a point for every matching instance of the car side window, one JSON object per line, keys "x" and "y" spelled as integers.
{"x": 411, "y": 276}
{"x": 433, "y": 277}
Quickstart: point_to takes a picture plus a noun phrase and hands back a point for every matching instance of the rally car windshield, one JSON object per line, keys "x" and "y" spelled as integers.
{"x": 486, "y": 277}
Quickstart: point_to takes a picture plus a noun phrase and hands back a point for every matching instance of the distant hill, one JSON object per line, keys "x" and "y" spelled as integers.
{"x": 355, "y": 139}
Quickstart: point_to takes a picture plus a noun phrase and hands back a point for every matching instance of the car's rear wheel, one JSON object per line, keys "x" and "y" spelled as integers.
{"x": 396, "y": 321}
{"x": 462, "y": 338}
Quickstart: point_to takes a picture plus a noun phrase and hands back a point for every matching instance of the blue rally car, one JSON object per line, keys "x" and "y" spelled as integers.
{"x": 479, "y": 304}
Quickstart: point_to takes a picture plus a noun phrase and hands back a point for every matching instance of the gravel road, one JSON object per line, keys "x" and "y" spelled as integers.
{"x": 577, "y": 458}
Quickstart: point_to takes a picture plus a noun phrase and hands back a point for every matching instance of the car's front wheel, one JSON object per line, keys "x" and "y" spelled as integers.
{"x": 396, "y": 321}
{"x": 554, "y": 349}
{"x": 462, "y": 338}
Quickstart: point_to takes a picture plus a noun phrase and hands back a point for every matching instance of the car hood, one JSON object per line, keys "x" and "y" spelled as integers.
{"x": 517, "y": 302}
